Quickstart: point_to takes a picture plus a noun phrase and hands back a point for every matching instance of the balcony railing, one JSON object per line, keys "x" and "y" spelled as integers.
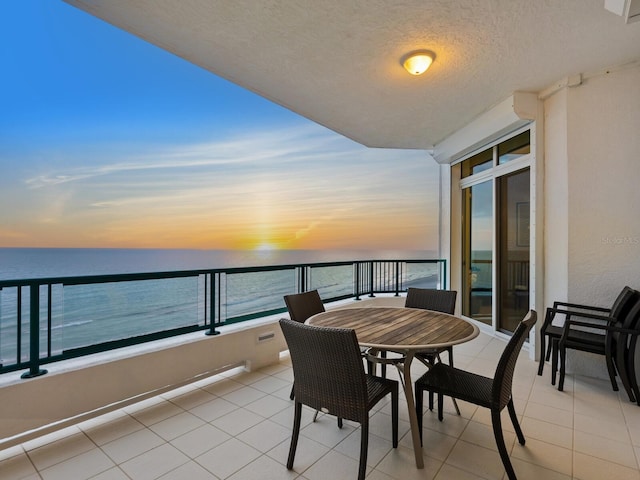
{"x": 47, "y": 320}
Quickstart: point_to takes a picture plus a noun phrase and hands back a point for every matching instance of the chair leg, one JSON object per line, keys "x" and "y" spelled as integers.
{"x": 611, "y": 369}
{"x": 291, "y": 394}
{"x": 440, "y": 404}
{"x": 554, "y": 361}
{"x": 419, "y": 409}
{"x": 563, "y": 358}
{"x": 364, "y": 445}
{"x": 514, "y": 420}
{"x": 496, "y": 421}
{"x": 294, "y": 436}
{"x": 623, "y": 367}
{"x": 631, "y": 365}
{"x": 339, "y": 422}
{"x": 383, "y": 366}
{"x": 542, "y": 354}
{"x": 394, "y": 419}
{"x": 563, "y": 355}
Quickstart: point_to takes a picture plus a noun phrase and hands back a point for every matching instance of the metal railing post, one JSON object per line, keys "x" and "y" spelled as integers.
{"x": 212, "y": 305}
{"x": 34, "y": 333}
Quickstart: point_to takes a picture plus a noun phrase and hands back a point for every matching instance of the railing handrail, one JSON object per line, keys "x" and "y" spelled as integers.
{"x": 368, "y": 277}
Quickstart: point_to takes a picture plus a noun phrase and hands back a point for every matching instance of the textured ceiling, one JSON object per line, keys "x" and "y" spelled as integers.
{"x": 337, "y": 62}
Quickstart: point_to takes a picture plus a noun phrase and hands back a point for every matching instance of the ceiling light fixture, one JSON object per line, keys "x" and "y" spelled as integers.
{"x": 418, "y": 61}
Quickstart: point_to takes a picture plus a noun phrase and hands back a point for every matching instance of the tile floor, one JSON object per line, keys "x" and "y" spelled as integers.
{"x": 237, "y": 426}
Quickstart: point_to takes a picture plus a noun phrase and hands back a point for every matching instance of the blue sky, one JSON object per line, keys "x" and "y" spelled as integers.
{"x": 108, "y": 141}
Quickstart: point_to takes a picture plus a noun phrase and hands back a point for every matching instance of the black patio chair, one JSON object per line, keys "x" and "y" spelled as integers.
{"x": 429, "y": 299}
{"x": 329, "y": 376}
{"x": 600, "y": 334}
{"x": 302, "y": 306}
{"x": 492, "y": 393}
{"x": 550, "y": 332}
{"x": 440, "y": 301}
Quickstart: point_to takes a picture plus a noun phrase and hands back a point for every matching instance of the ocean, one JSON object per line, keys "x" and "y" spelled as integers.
{"x": 84, "y": 315}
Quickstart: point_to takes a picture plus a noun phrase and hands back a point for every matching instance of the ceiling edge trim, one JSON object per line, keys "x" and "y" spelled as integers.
{"x": 512, "y": 113}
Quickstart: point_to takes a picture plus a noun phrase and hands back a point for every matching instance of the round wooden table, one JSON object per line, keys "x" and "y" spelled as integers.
{"x": 405, "y": 331}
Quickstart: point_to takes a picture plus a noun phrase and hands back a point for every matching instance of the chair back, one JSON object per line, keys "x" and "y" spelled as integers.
{"x": 301, "y": 306}
{"x": 431, "y": 299}
{"x": 503, "y": 378}
{"x": 328, "y": 373}
{"x": 623, "y": 304}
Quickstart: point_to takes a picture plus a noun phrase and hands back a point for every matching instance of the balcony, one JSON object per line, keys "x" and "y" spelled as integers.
{"x": 237, "y": 425}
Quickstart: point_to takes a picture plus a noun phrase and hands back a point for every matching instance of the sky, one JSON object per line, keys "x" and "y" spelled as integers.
{"x": 107, "y": 141}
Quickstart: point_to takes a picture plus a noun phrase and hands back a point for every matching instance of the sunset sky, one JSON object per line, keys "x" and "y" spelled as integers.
{"x": 108, "y": 141}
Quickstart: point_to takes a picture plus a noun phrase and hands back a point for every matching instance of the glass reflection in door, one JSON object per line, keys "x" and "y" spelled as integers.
{"x": 477, "y": 295}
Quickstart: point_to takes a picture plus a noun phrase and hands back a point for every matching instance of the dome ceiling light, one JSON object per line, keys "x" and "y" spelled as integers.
{"x": 418, "y": 61}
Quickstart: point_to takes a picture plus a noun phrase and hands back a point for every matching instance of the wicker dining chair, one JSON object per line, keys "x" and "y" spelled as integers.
{"x": 302, "y": 306}
{"x": 329, "y": 376}
{"x": 492, "y": 393}
{"x": 429, "y": 299}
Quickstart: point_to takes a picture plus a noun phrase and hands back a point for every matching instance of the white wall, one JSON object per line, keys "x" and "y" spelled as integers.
{"x": 592, "y": 194}
{"x": 604, "y": 186}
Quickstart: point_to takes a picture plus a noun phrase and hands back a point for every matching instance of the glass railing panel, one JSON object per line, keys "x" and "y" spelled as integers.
{"x": 332, "y": 281}
{"x": 103, "y": 312}
{"x": 422, "y": 275}
{"x": 247, "y": 294}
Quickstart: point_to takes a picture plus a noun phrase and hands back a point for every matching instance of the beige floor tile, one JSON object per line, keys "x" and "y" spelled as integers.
{"x": 586, "y": 467}
{"x": 244, "y": 396}
{"x": 132, "y": 445}
{"x": 118, "y": 427}
{"x": 154, "y": 463}
{"x": 546, "y": 455}
{"x": 216, "y": 408}
{"x": 596, "y": 425}
{"x": 80, "y": 467}
{"x": 17, "y": 466}
{"x": 482, "y": 435}
{"x": 477, "y": 460}
{"x": 227, "y": 458}
{"x": 112, "y": 474}
{"x": 270, "y": 384}
{"x": 400, "y": 463}
{"x": 268, "y": 406}
{"x": 200, "y": 440}
{"x": 193, "y": 398}
{"x": 240, "y": 420}
{"x": 333, "y": 465}
{"x": 265, "y": 435}
{"x": 381, "y": 424}
{"x": 530, "y": 471}
{"x": 606, "y": 449}
{"x": 157, "y": 413}
{"x": 177, "y": 425}
{"x": 546, "y": 413}
{"x": 262, "y": 468}
{"x": 325, "y": 431}
{"x": 547, "y": 432}
{"x": 449, "y": 472}
{"x": 435, "y": 444}
{"x": 61, "y": 450}
{"x": 307, "y": 453}
{"x": 223, "y": 386}
{"x": 189, "y": 471}
{"x": 377, "y": 449}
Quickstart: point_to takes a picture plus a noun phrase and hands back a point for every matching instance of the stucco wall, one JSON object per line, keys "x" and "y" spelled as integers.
{"x": 592, "y": 195}
{"x": 604, "y": 186}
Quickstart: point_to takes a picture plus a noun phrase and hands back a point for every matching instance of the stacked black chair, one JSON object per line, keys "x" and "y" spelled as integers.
{"x": 601, "y": 334}
{"x": 550, "y": 333}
